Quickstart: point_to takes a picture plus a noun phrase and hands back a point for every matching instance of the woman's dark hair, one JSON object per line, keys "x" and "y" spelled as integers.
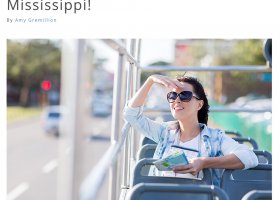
{"x": 198, "y": 89}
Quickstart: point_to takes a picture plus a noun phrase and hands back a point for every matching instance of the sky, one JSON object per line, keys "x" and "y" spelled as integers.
{"x": 152, "y": 50}
{"x": 155, "y": 50}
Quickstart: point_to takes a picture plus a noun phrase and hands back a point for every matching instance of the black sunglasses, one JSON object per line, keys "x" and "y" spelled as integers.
{"x": 184, "y": 96}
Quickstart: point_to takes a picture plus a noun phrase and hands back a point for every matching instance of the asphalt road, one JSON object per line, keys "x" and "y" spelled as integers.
{"x": 32, "y": 158}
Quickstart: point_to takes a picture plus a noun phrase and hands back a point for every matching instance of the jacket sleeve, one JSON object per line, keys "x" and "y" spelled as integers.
{"x": 143, "y": 124}
{"x": 245, "y": 155}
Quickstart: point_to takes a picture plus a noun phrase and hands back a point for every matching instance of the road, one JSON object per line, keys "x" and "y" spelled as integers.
{"x": 32, "y": 159}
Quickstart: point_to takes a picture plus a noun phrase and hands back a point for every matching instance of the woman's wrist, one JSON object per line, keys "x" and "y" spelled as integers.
{"x": 205, "y": 161}
{"x": 150, "y": 80}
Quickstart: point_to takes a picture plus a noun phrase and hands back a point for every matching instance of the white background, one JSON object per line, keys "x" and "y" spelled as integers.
{"x": 149, "y": 19}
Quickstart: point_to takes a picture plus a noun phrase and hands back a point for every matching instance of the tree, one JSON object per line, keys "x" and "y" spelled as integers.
{"x": 236, "y": 83}
{"x": 30, "y": 62}
{"x": 145, "y": 75}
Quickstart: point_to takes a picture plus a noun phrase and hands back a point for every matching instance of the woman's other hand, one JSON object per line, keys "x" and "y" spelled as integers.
{"x": 194, "y": 167}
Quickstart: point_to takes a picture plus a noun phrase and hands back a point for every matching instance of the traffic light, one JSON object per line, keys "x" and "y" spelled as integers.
{"x": 46, "y": 85}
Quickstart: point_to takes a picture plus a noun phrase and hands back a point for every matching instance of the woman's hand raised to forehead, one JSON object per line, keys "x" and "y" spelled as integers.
{"x": 166, "y": 81}
{"x": 139, "y": 98}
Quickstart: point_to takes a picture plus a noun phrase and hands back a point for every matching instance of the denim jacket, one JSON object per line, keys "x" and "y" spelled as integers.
{"x": 166, "y": 134}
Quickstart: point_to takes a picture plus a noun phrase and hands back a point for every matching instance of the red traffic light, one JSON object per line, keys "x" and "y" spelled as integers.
{"x": 46, "y": 85}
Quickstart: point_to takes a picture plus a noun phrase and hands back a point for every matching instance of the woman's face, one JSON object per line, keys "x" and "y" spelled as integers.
{"x": 185, "y": 110}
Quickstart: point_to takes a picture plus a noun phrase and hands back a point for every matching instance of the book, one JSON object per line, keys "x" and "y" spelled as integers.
{"x": 167, "y": 164}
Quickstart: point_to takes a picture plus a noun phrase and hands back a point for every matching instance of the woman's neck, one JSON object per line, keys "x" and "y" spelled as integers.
{"x": 189, "y": 130}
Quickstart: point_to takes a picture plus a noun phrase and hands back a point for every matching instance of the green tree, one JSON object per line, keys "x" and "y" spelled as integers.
{"x": 236, "y": 83}
{"x": 30, "y": 62}
{"x": 145, "y": 75}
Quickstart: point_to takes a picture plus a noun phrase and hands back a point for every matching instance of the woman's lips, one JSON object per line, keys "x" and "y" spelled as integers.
{"x": 177, "y": 108}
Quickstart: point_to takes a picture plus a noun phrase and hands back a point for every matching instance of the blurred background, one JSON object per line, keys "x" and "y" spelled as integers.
{"x": 34, "y": 111}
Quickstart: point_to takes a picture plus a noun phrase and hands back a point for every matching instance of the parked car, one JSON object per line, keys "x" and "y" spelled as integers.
{"x": 101, "y": 109}
{"x": 50, "y": 120}
{"x": 101, "y": 105}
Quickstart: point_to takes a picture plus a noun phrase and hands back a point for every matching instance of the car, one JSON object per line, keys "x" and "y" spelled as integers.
{"x": 50, "y": 118}
{"x": 101, "y": 105}
{"x": 101, "y": 109}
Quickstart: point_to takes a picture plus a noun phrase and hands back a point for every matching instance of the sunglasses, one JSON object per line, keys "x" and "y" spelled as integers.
{"x": 184, "y": 96}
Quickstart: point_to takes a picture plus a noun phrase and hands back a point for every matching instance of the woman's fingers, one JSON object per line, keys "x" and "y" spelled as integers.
{"x": 184, "y": 169}
{"x": 167, "y": 82}
{"x": 175, "y": 84}
{"x": 171, "y": 85}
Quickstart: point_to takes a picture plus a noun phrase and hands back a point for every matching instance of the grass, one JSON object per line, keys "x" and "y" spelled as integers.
{"x": 15, "y": 113}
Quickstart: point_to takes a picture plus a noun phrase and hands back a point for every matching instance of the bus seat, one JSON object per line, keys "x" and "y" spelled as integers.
{"x": 140, "y": 175}
{"x": 264, "y": 157}
{"x": 233, "y": 133}
{"x": 163, "y": 191}
{"x": 258, "y": 195}
{"x": 248, "y": 141}
{"x": 146, "y": 140}
{"x": 237, "y": 183}
{"x": 146, "y": 151}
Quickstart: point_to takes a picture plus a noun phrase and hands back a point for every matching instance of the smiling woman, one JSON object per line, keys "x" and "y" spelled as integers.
{"x": 189, "y": 106}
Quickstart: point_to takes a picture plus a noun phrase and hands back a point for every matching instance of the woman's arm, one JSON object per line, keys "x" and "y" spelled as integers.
{"x": 230, "y": 161}
{"x": 133, "y": 111}
{"x": 235, "y": 156}
{"x": 246, "y": 156}
{"x": 139, "y": 98}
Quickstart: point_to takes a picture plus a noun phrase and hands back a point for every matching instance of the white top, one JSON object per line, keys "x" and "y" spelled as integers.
{"x": 195, "y": 144}
{"x": 166, "y": 134}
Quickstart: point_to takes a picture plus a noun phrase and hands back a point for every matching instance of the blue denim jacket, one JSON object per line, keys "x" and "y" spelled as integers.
{"x": 166, "y": 134}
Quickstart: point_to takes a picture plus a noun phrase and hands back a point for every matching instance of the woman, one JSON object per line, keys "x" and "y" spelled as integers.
{"x": 189, "y": 106}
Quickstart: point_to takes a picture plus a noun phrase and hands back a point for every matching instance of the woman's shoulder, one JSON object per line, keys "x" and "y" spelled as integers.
{"x": 211, "y": 132}
{"x": 216, "y": 130}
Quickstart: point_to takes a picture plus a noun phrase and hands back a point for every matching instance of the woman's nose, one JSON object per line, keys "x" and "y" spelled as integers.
{"x": 177, "y": 100}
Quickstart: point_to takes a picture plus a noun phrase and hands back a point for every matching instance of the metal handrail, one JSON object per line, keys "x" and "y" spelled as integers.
{"x": 248, "y": 110}
{"x": 127, "y": 146}
{"x": 208, "y": 68}
{"x": 91, "y": 185}
{"x": 118, "y": 46}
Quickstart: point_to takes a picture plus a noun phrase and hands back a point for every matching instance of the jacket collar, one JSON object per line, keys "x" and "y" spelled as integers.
{"x": 173, "y": 127}
{"x": 205, "y": 131}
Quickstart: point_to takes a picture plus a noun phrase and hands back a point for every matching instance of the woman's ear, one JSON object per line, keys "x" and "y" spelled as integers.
{"x": 200, "y": 104}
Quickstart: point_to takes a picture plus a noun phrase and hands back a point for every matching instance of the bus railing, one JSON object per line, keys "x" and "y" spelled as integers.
{"x": 91, "y": 185}
{"x": 120, "y": 47}
{"x": 216, "y": 109}
{"x": 157, "y": 68}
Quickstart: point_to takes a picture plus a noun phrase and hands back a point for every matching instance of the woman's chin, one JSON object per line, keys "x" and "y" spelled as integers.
{"x": 178, "y": 115}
